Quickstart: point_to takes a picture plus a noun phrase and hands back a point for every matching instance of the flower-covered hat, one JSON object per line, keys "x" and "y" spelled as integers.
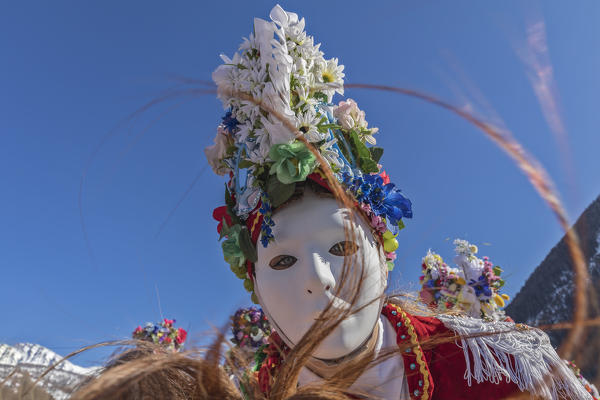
{"x": 163, "y": 333}
{"x": 281, "y": 68}
{"x": 473, "y": 287}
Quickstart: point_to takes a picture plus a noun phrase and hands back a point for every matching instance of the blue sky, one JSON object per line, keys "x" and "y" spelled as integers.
{"x": 73, "y": 71}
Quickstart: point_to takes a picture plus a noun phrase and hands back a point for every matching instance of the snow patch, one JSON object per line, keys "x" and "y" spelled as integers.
{"x": 33, "y": 359}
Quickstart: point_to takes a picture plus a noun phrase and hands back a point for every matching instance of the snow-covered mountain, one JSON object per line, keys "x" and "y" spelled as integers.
{"x": 547, "y": 296}
{"x": 32, "y": 360}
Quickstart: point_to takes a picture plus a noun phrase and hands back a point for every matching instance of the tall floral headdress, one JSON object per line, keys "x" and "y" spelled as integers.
{"x": 163, "y": 333}
{"x": 281, "y": 68}
{"x": 473, "y": 287}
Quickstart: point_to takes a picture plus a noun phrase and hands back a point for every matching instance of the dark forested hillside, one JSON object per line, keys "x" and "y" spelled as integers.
{"x": 547, "y": 296}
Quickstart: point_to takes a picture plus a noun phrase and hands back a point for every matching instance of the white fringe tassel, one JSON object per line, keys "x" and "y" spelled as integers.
{"x": 535, "y": 367}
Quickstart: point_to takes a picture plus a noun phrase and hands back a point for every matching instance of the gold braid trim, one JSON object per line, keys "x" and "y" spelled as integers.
{"x": 418, "y": 352}
{"x": 256, "y": 218}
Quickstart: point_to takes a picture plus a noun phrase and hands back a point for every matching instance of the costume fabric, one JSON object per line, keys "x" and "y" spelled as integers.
{"x": 385, "y": 380}
{"x": 438, "y": 367}
{"x": 452, "y": 358}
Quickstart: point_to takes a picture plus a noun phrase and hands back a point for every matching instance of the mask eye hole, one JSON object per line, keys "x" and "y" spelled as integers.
{"x": 283, "y": 261}
{"x": 345, "y": 248}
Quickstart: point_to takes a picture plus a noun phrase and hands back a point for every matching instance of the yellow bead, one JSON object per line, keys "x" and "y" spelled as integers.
{"x": 390, "y": 245}
{"x": 388, "y": 235}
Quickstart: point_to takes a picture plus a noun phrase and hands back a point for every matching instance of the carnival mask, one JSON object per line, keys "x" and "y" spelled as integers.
{"x": 300, "y": 272}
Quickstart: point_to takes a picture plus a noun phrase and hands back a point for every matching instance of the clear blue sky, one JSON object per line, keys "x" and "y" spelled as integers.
{"x": 71, "y": 71}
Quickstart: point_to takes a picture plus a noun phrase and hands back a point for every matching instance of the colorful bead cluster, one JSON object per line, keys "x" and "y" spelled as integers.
{"x": 250, "y": 328}
{"x": 472, "y": 287}
{"x": 163, "y": 333}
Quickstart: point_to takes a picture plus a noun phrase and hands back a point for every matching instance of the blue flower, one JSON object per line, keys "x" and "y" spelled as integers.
{"x": 265, "y": 208}
{"x": 430, "y": 283}
{"x": 481, "y": 286}
{"x": 385, "y": 200}
{"x": 266, "y": 233}
{"x": 230, "y": 122}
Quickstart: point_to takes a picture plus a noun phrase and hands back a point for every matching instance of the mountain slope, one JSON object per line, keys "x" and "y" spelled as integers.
{"x": 547, "y": 296}
{"x": 26, "y": 361}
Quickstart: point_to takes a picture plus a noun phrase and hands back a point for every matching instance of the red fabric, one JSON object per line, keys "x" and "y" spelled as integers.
{"x": 445, "y": 362}
{"x": 317, "y": 178}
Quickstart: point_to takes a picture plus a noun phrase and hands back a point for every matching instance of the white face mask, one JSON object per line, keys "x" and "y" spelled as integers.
{"x": 297, "y": 274}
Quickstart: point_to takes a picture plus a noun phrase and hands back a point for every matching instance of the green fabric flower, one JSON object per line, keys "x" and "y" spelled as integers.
{"x": 293, "y": 162}
{"x": 232, "y": 250}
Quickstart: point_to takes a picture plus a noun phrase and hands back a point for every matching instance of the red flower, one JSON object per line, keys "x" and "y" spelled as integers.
{"x": 218, "y": 214}
{"x": 181, "y": 336}
{"x": 169, "y": 322}
{"x": 168, "y": 340}
{"x": 137, "y": 330}
{"x": 385, "y": 177}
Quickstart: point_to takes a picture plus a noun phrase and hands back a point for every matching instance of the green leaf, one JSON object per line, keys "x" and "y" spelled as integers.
{"x": 245, "y": 164}
{"x": 245, "y": 243}
{"x": 367, "y": 165}
{"x": 320, "y": 96}
{"x": 224, "y": 229}
{"x": 358, "y": 146}
{"x": 362, "y": 153}
{"x": 341, "y": 143}
{"x": 497, "y": 270}
{"x": 401, "y": 224}
{"x": 228, "y": 199}
{"x": 231, "y": 149}
{"x": 376, "y": 153}
{"x": 390, "y": 265}
{"x": 278, "y": 192}
{"x": 330, "y": 126}
{"x": 500, "y": 283}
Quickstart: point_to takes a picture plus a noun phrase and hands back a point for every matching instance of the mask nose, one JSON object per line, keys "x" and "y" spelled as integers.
{"x": 320, "y": 279}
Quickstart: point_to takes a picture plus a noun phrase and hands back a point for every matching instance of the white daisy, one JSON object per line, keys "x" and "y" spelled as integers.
{"x": 307, "y": 122}
{"x": 331, "y": 154}
{"x": 330, "y": 75}
{"x": 288, "y": 21}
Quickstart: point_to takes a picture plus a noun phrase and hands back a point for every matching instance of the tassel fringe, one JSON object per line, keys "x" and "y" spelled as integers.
{"x": 515, "y": 353}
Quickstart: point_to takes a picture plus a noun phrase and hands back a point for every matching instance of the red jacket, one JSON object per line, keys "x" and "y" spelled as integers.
{"x": 439, "y": 362}
{"x": 437, "y": 371}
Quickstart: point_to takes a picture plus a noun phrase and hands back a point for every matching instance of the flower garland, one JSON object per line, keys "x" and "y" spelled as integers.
{"x": 281, "y": 66}
{"x": 473, "y": 287}
{"x": 163, "y": 333}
